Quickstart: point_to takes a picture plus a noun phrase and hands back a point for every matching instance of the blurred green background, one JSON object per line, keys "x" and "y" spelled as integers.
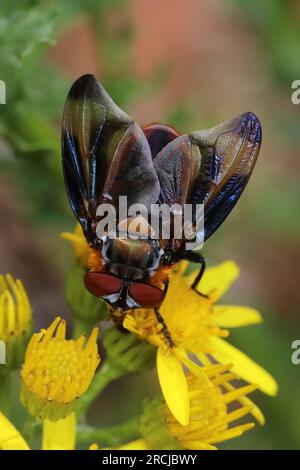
{"x": 192, "y": 64}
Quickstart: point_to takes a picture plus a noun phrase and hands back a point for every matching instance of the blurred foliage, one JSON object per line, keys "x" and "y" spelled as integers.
{"x": 277, "y": 22}
{"x": 34, "y": 94}
{"x": 30, "y": 122}
{"x": 277, "y": 25}
{"x": 272, "y": 347}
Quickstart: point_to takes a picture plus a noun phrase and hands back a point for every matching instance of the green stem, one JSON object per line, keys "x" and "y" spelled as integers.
{"x": 5, "y": 391}
{"x": 32, "y": 429}
{"x": 106, "y": 374}
{"x": 111, "y": 436}
{"x": 87, "y": 435}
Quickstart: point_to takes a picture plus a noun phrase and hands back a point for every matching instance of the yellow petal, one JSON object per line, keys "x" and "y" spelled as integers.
{"x": 230, "y": 433}
{"x": 94, "y": 446}
{"x": 247, "y": 402}
{"x": 243, "y": 366}
{"x": 218, "y": 279}
{"x": 244, "y": 401}
{"x": 173, "y": 385}
{"x": 79, "y": 243}
{"x": 194, "y": 368}
{"x": 10, "y": 438}
{"x": 72, "y": 238}
{"x": 232, "y": 316}
{"x": 61, "y": 434}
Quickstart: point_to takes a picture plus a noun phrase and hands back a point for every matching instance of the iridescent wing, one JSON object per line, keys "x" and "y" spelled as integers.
{"x": 104, "y": 153}
{"x": 210, "y": 167}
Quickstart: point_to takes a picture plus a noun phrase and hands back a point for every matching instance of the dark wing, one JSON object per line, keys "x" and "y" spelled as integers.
{"x": 210, "y": 167}
{"x": 105, "y": 154}
{"x": 158, "y": 136}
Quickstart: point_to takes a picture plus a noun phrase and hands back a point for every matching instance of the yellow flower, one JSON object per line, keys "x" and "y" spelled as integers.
{"x": 56, "y": 371}
{"x": 197, "y": 326}
{"x": 15, "y": 319}
{"x": 56, "y": 436}
{"x": 212, "y": 418}
{"x": 79, "y": 244}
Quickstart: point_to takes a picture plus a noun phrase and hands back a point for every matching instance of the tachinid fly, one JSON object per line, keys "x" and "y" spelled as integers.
{"x": 106, "y": 154}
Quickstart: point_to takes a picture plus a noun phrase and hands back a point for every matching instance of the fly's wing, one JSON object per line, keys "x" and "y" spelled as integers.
{"x": 210, "y": 167}
{"x": 158, "y": 136}
{"x": 104, "y": 154}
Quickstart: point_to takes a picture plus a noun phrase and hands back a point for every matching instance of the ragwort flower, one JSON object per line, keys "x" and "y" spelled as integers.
{"x": 15, "y": 319}
{"x": 212, "y": 418}
{"x": 57, "y": 371}
{"x": 197, "y": 327}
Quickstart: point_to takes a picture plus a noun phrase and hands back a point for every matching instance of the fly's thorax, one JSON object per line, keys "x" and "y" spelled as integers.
{"x": 131, "y": 258}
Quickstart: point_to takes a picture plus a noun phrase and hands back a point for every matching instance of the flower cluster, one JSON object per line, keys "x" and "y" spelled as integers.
{"x": 205, "y": 381}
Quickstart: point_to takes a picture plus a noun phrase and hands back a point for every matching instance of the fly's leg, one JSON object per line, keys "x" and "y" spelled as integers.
{"x": 165, "y": 330}
{"x": 196, "y": 258}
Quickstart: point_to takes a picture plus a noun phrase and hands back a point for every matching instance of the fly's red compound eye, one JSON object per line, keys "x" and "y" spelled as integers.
{"x": 101, "y": 284}
{"x": 145, "y": 295}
